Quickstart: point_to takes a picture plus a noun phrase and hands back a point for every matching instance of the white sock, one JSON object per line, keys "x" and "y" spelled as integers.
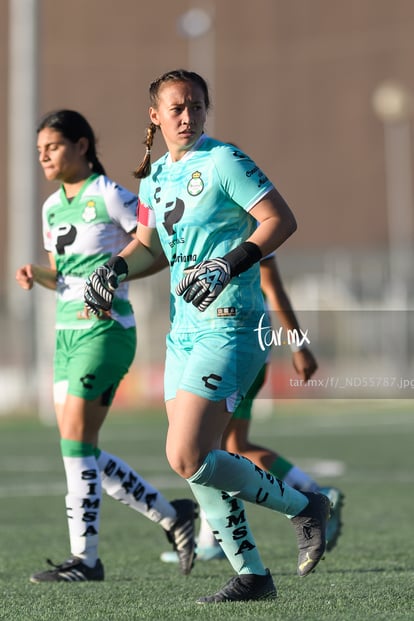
{"x": 300, "y": 480}
{"x": 83, "y": 504}
{"x": 121, "y": 482}
{"x": 206, "y": 539}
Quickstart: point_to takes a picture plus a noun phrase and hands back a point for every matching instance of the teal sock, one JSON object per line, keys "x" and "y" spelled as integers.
{"x": 227, "y": 519}
{"x": 241, "y": 478}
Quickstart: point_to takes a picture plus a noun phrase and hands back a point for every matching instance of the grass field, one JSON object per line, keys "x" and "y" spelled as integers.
{"x": 366, "y": 448}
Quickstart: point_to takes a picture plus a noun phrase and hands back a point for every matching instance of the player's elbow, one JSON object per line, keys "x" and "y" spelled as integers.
{"x": 294, "y": 224}
{"x": 291, "y": 225}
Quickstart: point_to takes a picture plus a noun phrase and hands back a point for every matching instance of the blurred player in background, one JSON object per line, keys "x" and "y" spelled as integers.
{"x": 214, "y": 214}
{"x": 85, "y": 221}
{"x": 236, "y": 435}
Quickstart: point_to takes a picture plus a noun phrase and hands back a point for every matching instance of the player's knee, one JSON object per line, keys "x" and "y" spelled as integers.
{"x": 183, "y": 464}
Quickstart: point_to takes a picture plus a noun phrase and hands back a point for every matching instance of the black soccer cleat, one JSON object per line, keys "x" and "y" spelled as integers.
{"x": 310, "y": 527}
{"x": 182, "y": 533}
{"x": 243, "y": 588}
{"x": 72, "y": 570}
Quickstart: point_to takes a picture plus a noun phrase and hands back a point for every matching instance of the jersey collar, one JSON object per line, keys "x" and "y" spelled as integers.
{"x": 189, "y": 153}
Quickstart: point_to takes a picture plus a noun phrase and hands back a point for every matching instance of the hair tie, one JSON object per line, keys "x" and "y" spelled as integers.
{"x": 147, "y": 151}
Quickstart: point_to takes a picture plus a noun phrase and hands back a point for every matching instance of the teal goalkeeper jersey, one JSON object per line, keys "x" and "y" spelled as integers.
{"x": 82, "y": 234}
{"x": 200, "y": 206}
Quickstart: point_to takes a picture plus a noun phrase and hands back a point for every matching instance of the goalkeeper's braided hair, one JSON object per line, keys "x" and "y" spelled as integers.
{"x": 178, "y": 75}
{"x": 73, "y": 126}
{"x": 143, "y": 170}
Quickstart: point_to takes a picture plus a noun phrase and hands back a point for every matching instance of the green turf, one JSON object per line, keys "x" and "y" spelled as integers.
{"x": 370, "y": 575}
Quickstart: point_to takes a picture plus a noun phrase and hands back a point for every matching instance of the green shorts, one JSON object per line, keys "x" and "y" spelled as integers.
{"x": 89, "y": 363}
{"x": 244, "y": 410}
{"x": 216, "y": 365}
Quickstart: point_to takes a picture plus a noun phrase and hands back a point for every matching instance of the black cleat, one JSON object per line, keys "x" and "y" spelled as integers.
{"x": 72, "y": 570}
{"x": 310, "y": 527}
{"x": 182, "y": 534}
{"x": 243, "y": 588}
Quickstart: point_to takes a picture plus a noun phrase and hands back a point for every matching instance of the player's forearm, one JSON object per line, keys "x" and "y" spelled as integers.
{"x": 44, "y": 276}
{"x": 31, "y": 274}
{"x": 287, "y": 319}
{"x": 139, "y": 258}
{"x": 272, "y": 233}
{"x": 278, "y": 301}
{"x": 157, "y": 266}
{"x": 276, "y": 223}
{"x": 276, "y": 297}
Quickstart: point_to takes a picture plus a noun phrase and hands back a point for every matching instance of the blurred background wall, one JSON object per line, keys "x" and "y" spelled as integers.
{"x": 318, "y": 93}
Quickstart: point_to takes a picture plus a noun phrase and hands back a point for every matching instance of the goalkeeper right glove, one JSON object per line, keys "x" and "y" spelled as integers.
{"x": 102, "y": 283}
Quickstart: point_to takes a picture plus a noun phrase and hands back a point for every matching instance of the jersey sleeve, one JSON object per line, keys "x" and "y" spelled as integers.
{"x": 241, "y": 178}
{"x": 47, "y": 238}
{"x": 46, "y": 230}
{"x": 146, "y": 215}
{"x": 121, "y": 205}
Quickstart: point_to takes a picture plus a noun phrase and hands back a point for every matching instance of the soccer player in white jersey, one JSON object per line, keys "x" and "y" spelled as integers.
{"x": 214, "y": 214}
{"x": 85, "y": 221}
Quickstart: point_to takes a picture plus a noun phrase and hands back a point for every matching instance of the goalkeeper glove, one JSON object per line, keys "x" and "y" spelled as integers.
{"x": 204, "y": 282}
{"x": 101, "y": 285}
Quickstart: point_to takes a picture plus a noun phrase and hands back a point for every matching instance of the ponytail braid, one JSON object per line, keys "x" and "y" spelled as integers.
{"x": 143, "y": 170}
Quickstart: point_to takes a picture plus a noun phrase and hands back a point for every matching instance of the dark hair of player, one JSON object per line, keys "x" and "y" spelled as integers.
{"x": 73, "y": 126}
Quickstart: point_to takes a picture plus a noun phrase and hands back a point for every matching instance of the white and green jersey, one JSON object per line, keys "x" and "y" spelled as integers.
{"x": 82, "y": 234}
{"x": 200, "y": 206}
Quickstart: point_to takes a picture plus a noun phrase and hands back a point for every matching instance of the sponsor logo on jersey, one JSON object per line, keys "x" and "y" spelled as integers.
{"x": 174, "y": 211}
{"x": 184, "y": 258}
{"x": 89, "y": 213}
{"x": 196, "y": 185}
{"x": 229, "y": 311}
{"x": 257, "y": 172}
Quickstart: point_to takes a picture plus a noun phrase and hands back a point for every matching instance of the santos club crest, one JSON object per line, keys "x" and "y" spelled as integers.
{"x": 89, "y": 213}
{"x": 196, "y": 185}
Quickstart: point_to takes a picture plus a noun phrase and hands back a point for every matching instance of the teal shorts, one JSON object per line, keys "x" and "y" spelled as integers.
{"x": 244, "y": 410}
{"x": 92, "y": 362}
{"x": 216, "y": 365}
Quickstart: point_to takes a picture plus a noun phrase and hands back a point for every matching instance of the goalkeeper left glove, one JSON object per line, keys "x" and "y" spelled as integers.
{"x": 204, "y": 282}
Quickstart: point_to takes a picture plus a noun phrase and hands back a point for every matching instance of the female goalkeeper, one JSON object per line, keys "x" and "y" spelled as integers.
{"x": 214, "y": 214}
